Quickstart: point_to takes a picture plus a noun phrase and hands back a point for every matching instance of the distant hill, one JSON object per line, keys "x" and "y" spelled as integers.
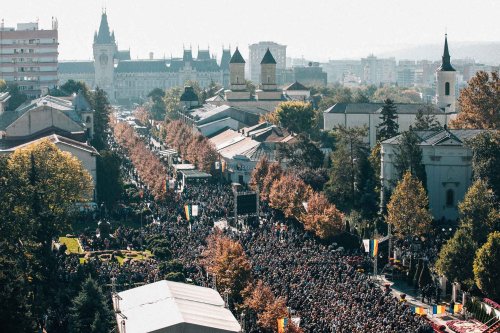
{"x": 483, "y": 52}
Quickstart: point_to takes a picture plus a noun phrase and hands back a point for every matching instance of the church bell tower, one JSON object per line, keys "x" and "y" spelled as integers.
{"x": 446, "y": 82}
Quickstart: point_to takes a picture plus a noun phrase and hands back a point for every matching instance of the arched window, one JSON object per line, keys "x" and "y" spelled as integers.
{"x": 268, "y": 79}
{"x": 88, "y": 120}
{"x": 447, "y": 88}
{"x": 450, "y": 198}
{"x": 237, "y": 80}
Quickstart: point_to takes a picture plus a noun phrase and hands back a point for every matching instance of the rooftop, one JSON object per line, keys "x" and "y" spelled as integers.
{"x": 167, "y": 306}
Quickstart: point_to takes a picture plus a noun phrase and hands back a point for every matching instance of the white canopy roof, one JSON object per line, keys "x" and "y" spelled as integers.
{"x": 172, "y": 307}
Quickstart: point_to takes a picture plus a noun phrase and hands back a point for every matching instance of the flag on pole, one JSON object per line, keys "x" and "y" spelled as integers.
{"x": 438, "y": 309}
{"x": 282, "y": 324}
{"x": 456, "y": 308}
{"x": 418, "y": 310}
{"x": 366, "y": 244}
{"x": 187, "y": 210}
{"x": 373, "y": 247}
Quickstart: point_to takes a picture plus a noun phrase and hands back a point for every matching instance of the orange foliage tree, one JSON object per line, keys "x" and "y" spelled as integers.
{"x": 322, "y": 217}
{"x": 149, "y": 167}
{"x": 274, "y": 173}
{"x": 259, "y": 174}
{"x": 268, "y": 308}
{"x": 227, "y": 260}
{"x": 288, "y": 194}
{"x": 193, "y": 147}
{"x": 480, "y": 103}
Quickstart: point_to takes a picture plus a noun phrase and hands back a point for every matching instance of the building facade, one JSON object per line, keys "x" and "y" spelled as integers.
{"x": 126, "y": 80}
{"x": 29, "y": 57}
{"x": 257, "y": 52}
{"x": 448, "y": 167}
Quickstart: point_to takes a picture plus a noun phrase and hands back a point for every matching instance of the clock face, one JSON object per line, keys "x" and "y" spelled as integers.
{"x": 103, "y": 59}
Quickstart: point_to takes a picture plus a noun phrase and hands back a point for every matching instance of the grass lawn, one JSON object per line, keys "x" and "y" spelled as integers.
{"x": 139, "y": 256}
{"x": 72, "y": 245}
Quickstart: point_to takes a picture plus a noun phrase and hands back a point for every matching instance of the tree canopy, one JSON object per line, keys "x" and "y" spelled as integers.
{"x": 297, "y": 117}
{"x": 388, "y": 126}
{"x": 486, "y": 158}
{"x": 487, "y": 266}
{"x": 457, "y": 256}
{"x": 426, "y": 120}
{"x": 409, "y": 222}
{"x": 408, "y": 157}
{"x": 479, "y": 103}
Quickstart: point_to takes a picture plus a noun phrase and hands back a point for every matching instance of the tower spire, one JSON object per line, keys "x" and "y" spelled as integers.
{"x": 446, "y": 62}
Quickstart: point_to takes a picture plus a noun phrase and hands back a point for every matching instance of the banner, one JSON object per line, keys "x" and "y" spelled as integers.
{"x": 418, "y": 310}
{"x": 194, "y": 210}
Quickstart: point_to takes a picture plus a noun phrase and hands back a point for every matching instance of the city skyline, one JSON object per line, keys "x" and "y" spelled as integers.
{"x": 231, "y": 24}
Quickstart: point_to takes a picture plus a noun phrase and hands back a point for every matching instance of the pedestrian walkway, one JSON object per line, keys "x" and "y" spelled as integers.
{"x": 397, "y": 291}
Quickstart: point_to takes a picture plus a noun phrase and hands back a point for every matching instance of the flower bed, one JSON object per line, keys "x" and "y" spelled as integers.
{"x": 492, "y": 303}
{"x": 461, "y": 326}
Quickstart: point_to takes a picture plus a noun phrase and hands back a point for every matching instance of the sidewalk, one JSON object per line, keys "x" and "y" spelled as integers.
{"x": 412, "y": 300}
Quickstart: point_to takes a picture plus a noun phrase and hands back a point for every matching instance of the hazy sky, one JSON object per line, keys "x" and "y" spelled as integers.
{"x": 315, "y": 29}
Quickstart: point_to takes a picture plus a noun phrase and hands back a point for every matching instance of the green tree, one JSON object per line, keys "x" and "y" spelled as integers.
{"x": 172, "y": 102}
{"x": 304, "y": 153}
{"x": 349, "y": 161}
{"x": 478, "y": 212}
{"x": 425, "y": 278}
{"x": 388, "y": 126}
{"x": 409, "y": 222}
{"x": 16, "y": 96}
{"x": 487, "y": 266}
{"x": 408, "y": 156}
{"x": 480, "y": 103}
{"x": 486, "y": 158}
{"x": 109, "y": 183}
{"x": 297, "y": 117}
{"x": 102, "y": 109}
{"x": 90, "y": 312}
{"x": 426, "y": 120}
{"x": 457, "y": 256}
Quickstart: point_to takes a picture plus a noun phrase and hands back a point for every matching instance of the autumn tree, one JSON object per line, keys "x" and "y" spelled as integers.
{"x": 288, "y": 195}
{"x": 426, "y": 120}
{"x": 487, "y": 266}
{"x": 478, "y": 212}
{"x": 109, "y": 183}
{"x": 408, "y": 222}
{"x": 456, "y": 257}
{"x": 274, "y": 173}
{"x": 259, "y": 173}
{"x": 479, "y": 103}
{"x": 227, "y": 261}
{"x": 322, "y": 217}
{"x": 295, "y": 116}
{"x": 486, "y": 158}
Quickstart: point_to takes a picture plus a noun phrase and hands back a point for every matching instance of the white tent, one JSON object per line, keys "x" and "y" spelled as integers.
{"x": 172, "y": 307}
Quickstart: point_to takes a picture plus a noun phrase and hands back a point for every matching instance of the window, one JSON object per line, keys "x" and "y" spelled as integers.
{"x": 447, "y": 88}
{"x": 88, "y": 120}
{"x": 450, "y": 198}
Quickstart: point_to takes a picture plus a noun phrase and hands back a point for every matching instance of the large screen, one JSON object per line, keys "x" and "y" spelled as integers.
{"x": 246, "y": 203}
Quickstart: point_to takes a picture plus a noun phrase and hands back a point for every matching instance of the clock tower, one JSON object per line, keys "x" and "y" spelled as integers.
{"x": 104, "y": 57}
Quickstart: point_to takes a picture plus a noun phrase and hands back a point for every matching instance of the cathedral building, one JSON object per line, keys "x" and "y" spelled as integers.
{"x": 126, "y": 80}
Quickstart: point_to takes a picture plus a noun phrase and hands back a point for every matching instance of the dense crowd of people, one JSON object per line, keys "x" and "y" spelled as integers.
{"x": 321, "y": 284}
